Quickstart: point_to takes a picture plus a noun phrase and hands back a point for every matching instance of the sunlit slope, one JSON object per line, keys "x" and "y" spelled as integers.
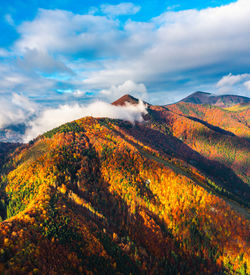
{"x": 96, "y": 196}
{"x": 215, "y": 133}
{"x": 238, "y": 107}
{"x": 236, "y": 122}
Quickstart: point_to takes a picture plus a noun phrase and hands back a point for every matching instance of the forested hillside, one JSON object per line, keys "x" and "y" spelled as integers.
{"x": 169, "y": 195}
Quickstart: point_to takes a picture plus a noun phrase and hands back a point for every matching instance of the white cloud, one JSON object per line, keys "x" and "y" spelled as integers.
{"x": 62, "y": 32}
{"x": 15, "y": 109}
{"x": 230, "y": 79}
{"x": 24, "y": 103}
{"x": 13, "y": 80}
{"x": 78, "y": 93}
{"x": 51, "y": 118}
{"x": 120, "y": 9}
{"x": 247, "y": 85}
{"x": 128, "y": 87}
{"x": 233, "y": 84}
{"x": 186, "y": 46}
{"x": 42, "y": 61}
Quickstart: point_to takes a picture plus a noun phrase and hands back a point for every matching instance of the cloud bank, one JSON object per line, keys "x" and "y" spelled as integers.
{"x": 15, "y": 109}
{"x": 51, "y": 118}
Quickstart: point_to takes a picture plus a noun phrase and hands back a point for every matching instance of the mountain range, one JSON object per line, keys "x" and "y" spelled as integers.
{"x": 169, "y": 195}
{"x": 14, "y": 133}
{"x": 220, "y": 101}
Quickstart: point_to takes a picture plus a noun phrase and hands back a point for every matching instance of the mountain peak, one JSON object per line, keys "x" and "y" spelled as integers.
{"x": 125, "y": 99}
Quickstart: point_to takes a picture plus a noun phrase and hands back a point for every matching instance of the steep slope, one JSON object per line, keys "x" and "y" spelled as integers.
{"x": 215, "y": 133}
{"x": 220, "y": 101}
{"x": 236, "y": 121}
{"x": 219, "y": 136}
{"x": 104, "y": 196}
{"x": 5, "y": 149}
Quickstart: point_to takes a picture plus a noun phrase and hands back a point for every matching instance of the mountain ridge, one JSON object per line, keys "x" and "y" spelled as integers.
{"x": 216, "y": 100}
{"x": 14, "y": 133}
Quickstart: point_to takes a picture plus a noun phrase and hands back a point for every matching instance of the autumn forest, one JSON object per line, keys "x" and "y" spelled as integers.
{"x": 169, "y": 195}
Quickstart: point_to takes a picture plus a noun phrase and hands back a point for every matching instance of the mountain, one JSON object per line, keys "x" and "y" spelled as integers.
{"x": 239, "y": 107}
{"x": 5, "y": 149}
{"x": 127, "y": 99}
{"x": 169, "y": 195}
{"x": 220, "y": 101}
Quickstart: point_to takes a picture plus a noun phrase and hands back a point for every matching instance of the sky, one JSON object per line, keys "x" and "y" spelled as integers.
{"x": 56, "y": 52}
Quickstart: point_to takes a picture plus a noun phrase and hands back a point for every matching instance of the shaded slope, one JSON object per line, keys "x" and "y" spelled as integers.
{"x": 5, "y": 150}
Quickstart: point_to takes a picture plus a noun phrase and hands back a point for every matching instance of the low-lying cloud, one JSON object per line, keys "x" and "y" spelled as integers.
{"x": 15, "y": 109}
{"x": 51, "y": 118}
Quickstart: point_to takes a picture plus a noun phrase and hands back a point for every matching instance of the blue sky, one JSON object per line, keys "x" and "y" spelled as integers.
{"x": 64, "y": 51}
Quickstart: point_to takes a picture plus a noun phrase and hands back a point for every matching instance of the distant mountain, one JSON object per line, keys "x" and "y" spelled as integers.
{"x": 104, "y": 196}
{"x": 220, "y": 101}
